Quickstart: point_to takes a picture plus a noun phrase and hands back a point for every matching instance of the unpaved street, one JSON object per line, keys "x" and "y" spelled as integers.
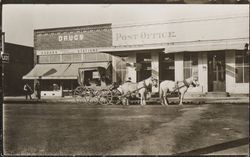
{"x": 65, "y": 129}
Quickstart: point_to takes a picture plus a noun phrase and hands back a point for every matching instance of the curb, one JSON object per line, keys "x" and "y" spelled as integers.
{"x": 197, "y": 101}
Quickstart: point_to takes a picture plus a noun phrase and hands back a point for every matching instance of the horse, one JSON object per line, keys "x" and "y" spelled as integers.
{"x": 171, "y": 86}
{"x": 142, "y": 87}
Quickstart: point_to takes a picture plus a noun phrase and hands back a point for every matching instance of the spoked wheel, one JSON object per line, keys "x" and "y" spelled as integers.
{"x": 82, "y": 94}
{"x": 105, "y": 96}
{"x": 88, "y": 95}
{"x": 78, "y": 94}
{"x": 116, "y": 97}
{"x": 94, "y": 99}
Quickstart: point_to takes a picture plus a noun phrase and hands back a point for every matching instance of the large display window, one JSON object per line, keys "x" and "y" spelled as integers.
{"x": 144, "y": 69}
{"x": 190, "y": 65}
{"x": 167, "y": 67}
{"x": 242, "y": 67}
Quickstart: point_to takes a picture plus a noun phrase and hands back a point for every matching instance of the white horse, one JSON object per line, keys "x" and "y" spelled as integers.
{"x": 128, "y": 88}
{"x": 168, "y": 86}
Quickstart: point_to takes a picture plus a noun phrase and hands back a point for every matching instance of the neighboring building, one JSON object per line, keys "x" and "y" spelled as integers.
{"x": 61, "y": 52}
{"x": 214, "y": 49}
{"x": 21, "y": 62}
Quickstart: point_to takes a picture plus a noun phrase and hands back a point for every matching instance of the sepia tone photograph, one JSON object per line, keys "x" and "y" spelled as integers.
{"x": 125, "y": 79}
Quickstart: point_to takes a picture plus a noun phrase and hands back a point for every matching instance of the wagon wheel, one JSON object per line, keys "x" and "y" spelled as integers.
{"x": 82, "y": 94}
{"x": 89, "y": 95}
{"x": 116, "y": 97}
{"x": 94, "y": 97}
{"x": 105, "y": 96}
{"x": 78, "y": 93}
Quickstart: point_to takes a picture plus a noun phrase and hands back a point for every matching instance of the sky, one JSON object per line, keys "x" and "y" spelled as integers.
{"x": 20, "y": 20}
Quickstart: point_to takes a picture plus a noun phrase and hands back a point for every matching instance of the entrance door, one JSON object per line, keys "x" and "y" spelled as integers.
{"x": 143, "y": 61}
{"x": 166, "y": 66}
{"x": 216, "y": 72}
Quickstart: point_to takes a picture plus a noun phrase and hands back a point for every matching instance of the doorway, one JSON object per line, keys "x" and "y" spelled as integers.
{"x": 216, "y": 72}
{"x": 144, "y": 70}
{"x": 166, "y": 66}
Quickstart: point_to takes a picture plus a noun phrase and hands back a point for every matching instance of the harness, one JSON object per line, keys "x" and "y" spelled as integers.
{"x": 177, "y": 87}
{"x": 186, "y": 83}
{"x": 129, "y": 93}
{"x": 144, "y": 86}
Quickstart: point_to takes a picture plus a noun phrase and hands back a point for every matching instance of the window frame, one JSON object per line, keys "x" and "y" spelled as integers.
{"x": 244, "y": 65}
{"x": 189, "y": 58}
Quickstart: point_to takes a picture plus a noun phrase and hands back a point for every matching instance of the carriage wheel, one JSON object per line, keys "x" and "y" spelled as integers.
{"x": 78, "y": 94}
{"x": 89, "y": 95}
{"x": 116, "y": 97}
{"x": 105, "y": 96}
{"x": 94, "y": 97}
{"x": 82, "y": 94}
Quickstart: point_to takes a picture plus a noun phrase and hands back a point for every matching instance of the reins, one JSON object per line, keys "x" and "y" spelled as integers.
{"x": 185, "y": 84}
{"x": 144, "y": 86}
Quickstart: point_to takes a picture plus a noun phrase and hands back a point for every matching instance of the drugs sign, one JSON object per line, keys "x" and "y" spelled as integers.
{"x": 5, "y": 57}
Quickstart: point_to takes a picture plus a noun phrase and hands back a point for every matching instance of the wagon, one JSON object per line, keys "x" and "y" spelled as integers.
{"x": 95, "y": 87}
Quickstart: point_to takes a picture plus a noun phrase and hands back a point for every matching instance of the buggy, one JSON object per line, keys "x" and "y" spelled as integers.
{"x": 95, "y": 86}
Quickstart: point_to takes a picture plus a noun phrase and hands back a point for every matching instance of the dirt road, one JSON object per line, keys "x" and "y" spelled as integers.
{"x": 66, "y": 129}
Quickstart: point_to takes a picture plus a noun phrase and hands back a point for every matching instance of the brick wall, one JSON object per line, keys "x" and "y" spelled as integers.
{"x": 73, "y": 37}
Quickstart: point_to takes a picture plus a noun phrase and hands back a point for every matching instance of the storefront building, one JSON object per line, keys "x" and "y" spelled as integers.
{"x": 216, "y": 49}
{"x": 61, "y": 52}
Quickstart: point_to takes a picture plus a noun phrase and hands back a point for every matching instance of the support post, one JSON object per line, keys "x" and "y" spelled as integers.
{"x": 2, "y": 63}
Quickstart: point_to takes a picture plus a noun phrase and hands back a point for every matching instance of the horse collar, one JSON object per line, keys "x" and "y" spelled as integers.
{"x": 185, "y": 83}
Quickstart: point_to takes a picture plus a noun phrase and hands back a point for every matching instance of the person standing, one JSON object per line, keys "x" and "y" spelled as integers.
{"x": 38, "y": 91}
{"x": 28, "y": 91}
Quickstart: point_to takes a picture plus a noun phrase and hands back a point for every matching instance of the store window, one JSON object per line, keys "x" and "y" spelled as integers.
{"x": 55, "y": 59}
{"x": 44, "y": 59}
{"x": 167, "y": 66}
{"x": 143, "y": 66}
{"x": 67, "y": 57}
{"x": 103, "y": 57}
{"x": 77, "y": 57}
{"x": 50, "y": 85}
{"x": 90, "y": 57}
{"x": 190, "y": 65}
{"x": 242, "y": 67}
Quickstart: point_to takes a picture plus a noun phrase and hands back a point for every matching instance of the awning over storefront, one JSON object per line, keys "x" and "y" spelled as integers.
{"x": 46, "y": 71}
{"x": 60, "y": 71}
{"x": 119, "y": 50}
{"x": 229, "y": 44}
{"x": 188, "y": 46}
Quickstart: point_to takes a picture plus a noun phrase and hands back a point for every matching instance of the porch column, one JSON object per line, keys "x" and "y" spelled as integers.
{"x": 130, "y": 67}
{"x": 203, "y": 71}
{"x": 114, "y": 69}
{"x": 155, "y": 68}
{"x": 178, "y": 64}
{"x": 230, "y": 71}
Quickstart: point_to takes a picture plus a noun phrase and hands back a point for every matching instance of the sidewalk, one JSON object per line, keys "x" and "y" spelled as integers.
{"x": 188, "y": 100}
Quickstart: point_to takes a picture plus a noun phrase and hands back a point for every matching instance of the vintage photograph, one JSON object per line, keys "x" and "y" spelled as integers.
{"x": 125, "y": 79}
